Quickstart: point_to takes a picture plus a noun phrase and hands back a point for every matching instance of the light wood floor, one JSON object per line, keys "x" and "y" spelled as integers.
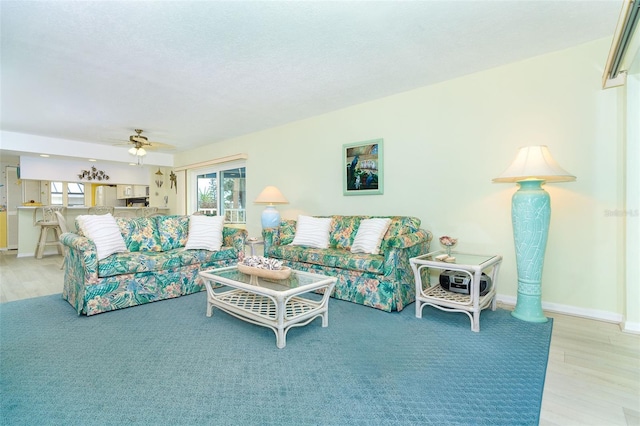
{"x": 593, "y": 376}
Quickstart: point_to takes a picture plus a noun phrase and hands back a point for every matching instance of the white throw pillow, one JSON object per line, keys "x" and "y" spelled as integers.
{"x": 312, "y": 232}
{"x": 369, "y": 236}
{"x": 104, "y": 232}
{"x": 205, "y": 232}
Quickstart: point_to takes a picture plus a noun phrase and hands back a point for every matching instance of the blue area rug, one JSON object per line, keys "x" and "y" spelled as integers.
{"x": 167, "y": 363}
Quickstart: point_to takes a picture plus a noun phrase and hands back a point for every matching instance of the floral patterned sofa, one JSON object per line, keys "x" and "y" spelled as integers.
{"x": 155, "y": 267}
{"x": 384, "y": 281}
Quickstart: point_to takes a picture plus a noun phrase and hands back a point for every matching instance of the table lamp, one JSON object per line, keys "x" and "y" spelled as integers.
{"x": 270, "y": 196}
{"x": 530, "y": 214}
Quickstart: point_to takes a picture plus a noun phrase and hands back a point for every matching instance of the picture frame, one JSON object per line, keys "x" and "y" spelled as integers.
{"x": 362, "y": 165}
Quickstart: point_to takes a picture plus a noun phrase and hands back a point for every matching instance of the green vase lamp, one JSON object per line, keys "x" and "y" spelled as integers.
{"x": 530, "y": 215}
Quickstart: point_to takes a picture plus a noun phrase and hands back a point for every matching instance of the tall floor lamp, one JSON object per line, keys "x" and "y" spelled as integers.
{"x": 530, "y": 214}
{"x": 270, "y": 196}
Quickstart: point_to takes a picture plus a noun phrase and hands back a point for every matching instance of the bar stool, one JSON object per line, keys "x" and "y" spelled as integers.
{"x": 63, "y": 228}
{"x": 48, "y": 222}
{"x": 146, "y": 211}
{"x": 101, "y": 210}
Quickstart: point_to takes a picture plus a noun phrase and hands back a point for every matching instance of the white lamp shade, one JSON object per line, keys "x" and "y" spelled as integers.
{"x": 140, "y": 152}
{"x": 271, "y": 195}
{"x": 535, "y": 162}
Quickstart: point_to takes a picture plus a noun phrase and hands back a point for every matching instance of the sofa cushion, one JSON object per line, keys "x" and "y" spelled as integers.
{"x": 305, "y": 255}
{"x": 173, "y": 231}
{"x": 333, "y": 258}
{"x": 369, "y": 235}
{"x": 312, "y": 232}
{"x": 139, "y": 261}
{"x": 204, "y": 257}
{"x": 139, "y": 233}
{"x": 361, "y": 262}
{"x": 205, "y": 233}
{"x": 343, "y": 231}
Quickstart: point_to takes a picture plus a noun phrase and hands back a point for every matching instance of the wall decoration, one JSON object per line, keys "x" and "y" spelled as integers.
{"x": 93, "y": 174}
{"x": 362, "y": 165}
{"x": 159, "y": 178}
{"x": 174, "y": 180}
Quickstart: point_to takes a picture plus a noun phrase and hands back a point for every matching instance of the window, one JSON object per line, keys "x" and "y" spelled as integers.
{"x": 67, "y": 193}
{"x": 221, "y": 190}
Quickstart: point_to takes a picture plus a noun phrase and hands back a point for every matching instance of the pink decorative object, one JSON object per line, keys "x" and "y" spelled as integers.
{"x": 448, "y": 243}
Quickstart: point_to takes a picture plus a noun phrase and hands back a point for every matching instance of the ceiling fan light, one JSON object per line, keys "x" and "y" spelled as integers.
{"x": 133, "y": 150}
{"x": 141, "y": 152}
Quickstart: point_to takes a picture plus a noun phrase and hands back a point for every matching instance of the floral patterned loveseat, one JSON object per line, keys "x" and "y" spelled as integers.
{"x": 155, "y": 267}
{"x": 384, "y": 281}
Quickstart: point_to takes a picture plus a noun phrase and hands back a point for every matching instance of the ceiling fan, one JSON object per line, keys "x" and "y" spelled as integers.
{"x": 140, "y": 145}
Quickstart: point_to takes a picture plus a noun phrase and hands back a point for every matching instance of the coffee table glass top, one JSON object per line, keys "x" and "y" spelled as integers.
{"x": 296, "y": 279}
{"x": 461, "y": 258}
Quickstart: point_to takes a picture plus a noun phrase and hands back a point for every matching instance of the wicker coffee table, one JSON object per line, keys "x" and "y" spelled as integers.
{"x": 276, "y": 304}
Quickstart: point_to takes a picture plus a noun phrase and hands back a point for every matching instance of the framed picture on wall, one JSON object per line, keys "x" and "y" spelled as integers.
{"x": 362, "y": 165}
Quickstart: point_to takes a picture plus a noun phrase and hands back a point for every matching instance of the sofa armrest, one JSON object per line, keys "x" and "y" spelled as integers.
{"x": 280, "y": 235}
{"x": 397, "y": 252}
{"x": 234, "y": 237}
{"x": 406, "y": 240}
{"x": 81, "y": 268}
{"x": 271, "y": 238}
{"x": 83, "y": 251}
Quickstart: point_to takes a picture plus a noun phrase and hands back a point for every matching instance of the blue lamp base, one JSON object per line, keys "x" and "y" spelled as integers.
{"x": 270, "y": 217}
{"x": 530, "y": 214}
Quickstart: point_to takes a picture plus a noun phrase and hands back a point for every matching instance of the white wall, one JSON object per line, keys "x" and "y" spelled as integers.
{"x": 37, "y": 168}
{"x": 23, "y": 142}
{"x": 157, "y": 194}
{"x": 444, "y": 143}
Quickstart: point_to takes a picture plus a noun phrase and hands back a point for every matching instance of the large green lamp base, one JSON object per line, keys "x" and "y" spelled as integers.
{"x": 529, "y": 306}
{"x": 530, "y": 214}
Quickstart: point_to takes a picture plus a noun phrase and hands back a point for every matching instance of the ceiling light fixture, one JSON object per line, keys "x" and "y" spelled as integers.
{"x": 140, "y": 152}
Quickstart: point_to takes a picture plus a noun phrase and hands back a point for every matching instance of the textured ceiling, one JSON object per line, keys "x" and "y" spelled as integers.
{"x": 193, "y": 73}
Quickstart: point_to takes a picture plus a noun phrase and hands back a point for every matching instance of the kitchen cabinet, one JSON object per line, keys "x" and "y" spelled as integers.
{"x": 140, "y": 191}
{"x": 132, "y": 191}
{"x": 124, "y": 191}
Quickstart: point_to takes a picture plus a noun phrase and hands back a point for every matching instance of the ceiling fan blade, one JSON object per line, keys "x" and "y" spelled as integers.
{"x": 139, "y": 140}
{"x": 159, "y": 145}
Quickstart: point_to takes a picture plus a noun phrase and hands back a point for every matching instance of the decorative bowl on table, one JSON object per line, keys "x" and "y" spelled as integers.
{"x": 262, "y": 267}
{"x": 448, "y": 243}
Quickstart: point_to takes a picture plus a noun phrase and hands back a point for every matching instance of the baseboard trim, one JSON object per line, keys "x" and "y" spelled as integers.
{"x": 631, "y": 327}
{"x": 570, "y": 310}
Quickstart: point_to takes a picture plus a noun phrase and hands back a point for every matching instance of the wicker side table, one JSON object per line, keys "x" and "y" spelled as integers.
{"x": 470, "y": 264}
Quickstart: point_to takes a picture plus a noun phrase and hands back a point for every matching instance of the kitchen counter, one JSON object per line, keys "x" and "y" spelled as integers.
{"x": 28, "y": 233}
